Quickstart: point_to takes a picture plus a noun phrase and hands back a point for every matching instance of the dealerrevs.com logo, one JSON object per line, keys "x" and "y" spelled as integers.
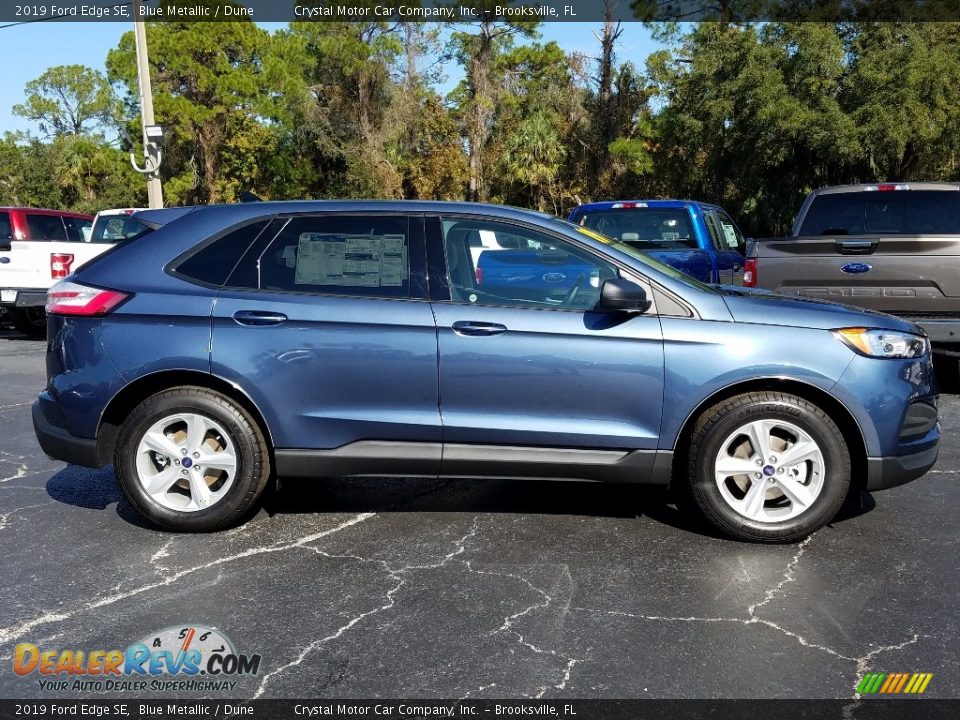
{"x": 184, "y": 658}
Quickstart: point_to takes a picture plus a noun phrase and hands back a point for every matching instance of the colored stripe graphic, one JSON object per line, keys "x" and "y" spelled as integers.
{"x": 894, "y": 683}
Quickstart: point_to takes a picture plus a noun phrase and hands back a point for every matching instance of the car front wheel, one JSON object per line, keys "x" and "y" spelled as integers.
{"x": 767, "y": 467}
{"x": 193, "y": 460}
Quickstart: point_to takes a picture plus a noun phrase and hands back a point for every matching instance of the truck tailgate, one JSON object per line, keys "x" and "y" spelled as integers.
{"x": 907, "y": 275}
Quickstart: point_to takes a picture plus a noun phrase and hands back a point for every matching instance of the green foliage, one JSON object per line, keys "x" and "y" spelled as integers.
{"x": 751, "y": 116}
{"x": 68, "y": 100}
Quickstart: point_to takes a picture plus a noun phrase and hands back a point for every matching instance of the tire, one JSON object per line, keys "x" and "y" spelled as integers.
{"x": 31, "y": 321}
{"x": 791, "y": 500}
{"x": 180, "y": 441}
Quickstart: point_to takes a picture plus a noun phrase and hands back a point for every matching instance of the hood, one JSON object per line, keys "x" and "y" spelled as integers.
{"x": 762, "y": 307}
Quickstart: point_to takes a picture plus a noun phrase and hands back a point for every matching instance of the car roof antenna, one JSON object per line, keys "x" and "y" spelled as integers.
{"x": 247, "y": 196}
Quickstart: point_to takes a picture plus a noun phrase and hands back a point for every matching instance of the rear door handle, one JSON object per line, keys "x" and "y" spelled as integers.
{"x": 477, "y": 329}
{"x": 258, "y": 317}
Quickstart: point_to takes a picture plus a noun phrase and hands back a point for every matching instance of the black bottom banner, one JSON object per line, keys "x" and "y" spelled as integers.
{"x": 927, "y": 708}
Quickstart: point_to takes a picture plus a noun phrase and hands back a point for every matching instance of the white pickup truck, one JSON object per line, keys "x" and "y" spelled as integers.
{"x": 39, "y": 247}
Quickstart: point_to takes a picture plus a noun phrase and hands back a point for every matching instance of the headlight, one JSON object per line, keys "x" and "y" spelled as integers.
{"x": 884, "y": 343}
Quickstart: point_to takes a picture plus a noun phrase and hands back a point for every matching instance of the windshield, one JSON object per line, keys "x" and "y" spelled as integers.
{"x": 637, "y": 254}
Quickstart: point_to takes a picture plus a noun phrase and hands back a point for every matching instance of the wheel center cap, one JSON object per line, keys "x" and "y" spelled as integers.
{"x": 769, "y": 470}
{"x": 187, "y": 462}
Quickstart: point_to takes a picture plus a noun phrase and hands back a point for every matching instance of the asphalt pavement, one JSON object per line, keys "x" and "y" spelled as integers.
{"x": 359, "y": 588}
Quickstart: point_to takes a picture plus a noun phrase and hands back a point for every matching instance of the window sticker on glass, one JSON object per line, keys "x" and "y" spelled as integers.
{"x": 349, "y": 260}
{"x": 392, "y": 261}
{"x": 320, "y": 259}
{"x": 730, "y": 235}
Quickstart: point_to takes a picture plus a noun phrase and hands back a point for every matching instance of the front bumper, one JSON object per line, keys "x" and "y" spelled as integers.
{"x": 888, "y": 472}
{"x": 22, "y": 297}
{"x": 59, "y": 444}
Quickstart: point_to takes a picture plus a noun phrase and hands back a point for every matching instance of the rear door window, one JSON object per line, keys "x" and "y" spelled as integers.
{"x": 730, "y": 236}
{"x": 6, "y": 227}
{"x": 644, "y": 228}
{"x": 46, "y": 228}
{"x": 358, "y": 255}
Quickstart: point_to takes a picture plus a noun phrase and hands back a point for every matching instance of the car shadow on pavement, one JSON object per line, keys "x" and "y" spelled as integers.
{"x": 93, "y": 490}
{"x": 98, "y": 490}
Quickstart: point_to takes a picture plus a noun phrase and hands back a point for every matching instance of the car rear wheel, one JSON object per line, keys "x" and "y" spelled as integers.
{"x": 190, "y": 459}
{"x": 767, "y": 467}
{"x": 31, "y": 321}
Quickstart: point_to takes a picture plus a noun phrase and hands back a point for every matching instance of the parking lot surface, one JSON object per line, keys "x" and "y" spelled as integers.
{"x": 463, "y": 588}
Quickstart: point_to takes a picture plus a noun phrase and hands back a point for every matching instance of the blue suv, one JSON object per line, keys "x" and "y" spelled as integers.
{"x": 232, "y": 344}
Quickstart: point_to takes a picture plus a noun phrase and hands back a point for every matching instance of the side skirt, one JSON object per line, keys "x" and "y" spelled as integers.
{"x": 407, "y": 459}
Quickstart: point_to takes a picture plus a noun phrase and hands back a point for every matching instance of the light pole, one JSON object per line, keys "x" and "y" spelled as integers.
{"x": 152, "y": 134}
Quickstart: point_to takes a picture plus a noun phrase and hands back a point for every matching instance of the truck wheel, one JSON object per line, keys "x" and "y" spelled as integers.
{"x": 192, "y": 460}
{"x": 767, "y": 467}
{"x": 31, "y": 321}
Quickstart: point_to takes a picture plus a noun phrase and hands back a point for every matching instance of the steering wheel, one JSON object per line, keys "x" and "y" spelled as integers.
{"x": 574, "y": 291}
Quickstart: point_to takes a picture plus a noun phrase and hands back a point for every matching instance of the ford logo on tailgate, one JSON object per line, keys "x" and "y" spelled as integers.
{"x": 856, "y": 268}
{"x": 554, "y": 277}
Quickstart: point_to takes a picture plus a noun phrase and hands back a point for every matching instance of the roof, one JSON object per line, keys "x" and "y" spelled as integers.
{"x": 45, "y": 211}
{"x": 240, "y": 211}
{"x": 836, "y": 189}
{"x": 667, "y": 203}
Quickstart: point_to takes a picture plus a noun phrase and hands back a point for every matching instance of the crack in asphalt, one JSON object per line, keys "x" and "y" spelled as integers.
{"x": 395, "y": 573}
{"x": 14, "y": 632}
{"x": 508, "y": 622}
{"x": 861, "y": 662}
{"x": 21, "y": 467}
{"x": 3, "y": 518}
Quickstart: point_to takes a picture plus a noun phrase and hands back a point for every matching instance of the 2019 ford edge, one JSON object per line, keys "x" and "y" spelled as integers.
{"x": 234, "y": 343}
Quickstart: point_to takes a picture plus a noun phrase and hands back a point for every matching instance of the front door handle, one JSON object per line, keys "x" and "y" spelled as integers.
{"x": 477, "y": 329}
{"x": 258, "y": 317}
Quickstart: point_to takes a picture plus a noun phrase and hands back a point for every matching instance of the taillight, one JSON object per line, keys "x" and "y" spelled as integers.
{"x": 750, "y": 273}
{"x": 60, "y": 265}
{"x": 887, "y": 187}
{"x": 69, "y": 298}
{"x": 479, "y": 273}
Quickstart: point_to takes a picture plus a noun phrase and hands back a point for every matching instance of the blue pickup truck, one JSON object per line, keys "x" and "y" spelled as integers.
{"x": 694, "y": 237}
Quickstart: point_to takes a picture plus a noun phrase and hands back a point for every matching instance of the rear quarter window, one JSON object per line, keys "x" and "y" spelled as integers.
{"x": 6, "y": 227}
{"x": 212, "y": 262}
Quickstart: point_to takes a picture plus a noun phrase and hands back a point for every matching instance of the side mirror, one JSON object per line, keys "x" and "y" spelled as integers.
{"x": 619, "y": 295}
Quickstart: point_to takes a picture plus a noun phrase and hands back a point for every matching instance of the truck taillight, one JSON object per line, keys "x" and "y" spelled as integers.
{"x": 69, "y": 298}
{"x": 750, "y": 273}
{"x": 60, "y": 265}
{"x": 479, "y": 273}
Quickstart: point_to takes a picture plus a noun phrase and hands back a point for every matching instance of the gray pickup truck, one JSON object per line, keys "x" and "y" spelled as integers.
{"x": 892, "y": 247}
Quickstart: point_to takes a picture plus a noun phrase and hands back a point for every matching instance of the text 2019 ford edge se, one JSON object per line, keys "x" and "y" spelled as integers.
{"x": 338, "y": 338}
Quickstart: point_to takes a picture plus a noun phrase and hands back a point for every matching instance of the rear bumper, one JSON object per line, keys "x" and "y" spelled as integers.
{"x": 25, "y": 297}
{"x": 888, "y": 472}
{"x": 58, "y": 443}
